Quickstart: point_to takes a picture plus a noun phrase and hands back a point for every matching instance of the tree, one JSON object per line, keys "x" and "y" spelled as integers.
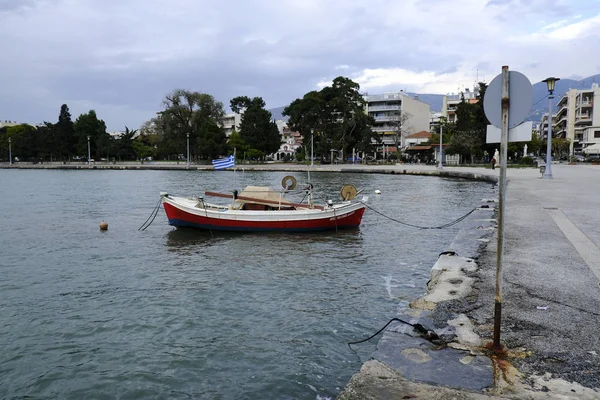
{"x": 123, "y": 147}
{"x": 236, "y": 142}
{"x": 400, "y": 128}
{"x": 65, "y": 134}
{"x": 46, "y": 142}
{"x": 257, "y": 129}
{"x": 23, "y": 141}
{"x": 89, "y": 125}
{"x": 334, "y": 117}
{"x": 195, "y": 114}
{"x": 561, "y": 147}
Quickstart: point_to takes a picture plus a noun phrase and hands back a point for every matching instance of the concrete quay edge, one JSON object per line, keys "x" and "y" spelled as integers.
{"x": 389, "y": 376}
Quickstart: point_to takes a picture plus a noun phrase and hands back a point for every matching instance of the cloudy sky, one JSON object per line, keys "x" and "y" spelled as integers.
{"x": 120, "y": 57}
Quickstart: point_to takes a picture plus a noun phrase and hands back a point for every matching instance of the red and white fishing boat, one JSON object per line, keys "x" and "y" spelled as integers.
{"x": 262, "y": 209}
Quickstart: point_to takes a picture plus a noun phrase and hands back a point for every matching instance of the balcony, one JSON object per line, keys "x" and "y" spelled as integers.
{"x": 385, "y": 118}
{"x": 587, "y": 103}
{"x": 384, "y": 97}
{"x": 583, "y": 119}
{"x": 382, "y": 129}
{"x": 384, "y": 108}
{"x": 562, "y": 110}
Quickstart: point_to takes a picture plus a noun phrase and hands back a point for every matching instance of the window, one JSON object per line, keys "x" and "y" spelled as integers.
{"x": 596, "y": 134}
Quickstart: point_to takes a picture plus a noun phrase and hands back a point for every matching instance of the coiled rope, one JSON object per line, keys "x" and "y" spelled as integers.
{"x": 146, "y": 224}
{"x": 456, "y": 221}
{"x": 427, "y": 334}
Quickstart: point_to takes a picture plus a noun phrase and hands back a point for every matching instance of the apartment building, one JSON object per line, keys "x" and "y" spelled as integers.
{"x": 385, "y": 109}
{"x": 435, "y": 120}
{"x": 231, "y": 121}
{"x": 451, "y": 101}
{"x": 577, "y": 118}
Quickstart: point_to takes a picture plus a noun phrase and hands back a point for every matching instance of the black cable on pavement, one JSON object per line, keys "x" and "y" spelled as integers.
{"x": 427, "y": 334}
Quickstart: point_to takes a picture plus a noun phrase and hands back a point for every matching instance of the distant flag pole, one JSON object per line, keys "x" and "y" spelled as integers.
{"x": 234, "y": 170}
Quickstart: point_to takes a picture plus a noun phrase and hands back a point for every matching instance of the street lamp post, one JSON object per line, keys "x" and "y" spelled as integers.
{"x": 441, "y": 153}
{"x": 548, "y": 171}
{"x": 188, "y": 149}
{"x": 9, "y": 151}
{"x": 89, "y": 154}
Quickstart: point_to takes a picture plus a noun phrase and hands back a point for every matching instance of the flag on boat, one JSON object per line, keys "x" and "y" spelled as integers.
{"x": 223, "y": 163}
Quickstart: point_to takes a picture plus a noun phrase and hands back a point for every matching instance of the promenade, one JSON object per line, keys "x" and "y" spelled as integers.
{"x": 551, "y": 302}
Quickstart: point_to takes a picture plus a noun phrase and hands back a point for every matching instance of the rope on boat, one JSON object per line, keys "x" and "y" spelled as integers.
{"x": 449, "y": 224}
{"x": 146, "y": 224}
{"x": 427, "y": 334}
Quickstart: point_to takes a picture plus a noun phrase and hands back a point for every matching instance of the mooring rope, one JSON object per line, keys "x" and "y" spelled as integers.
{"x": 449, "y": 224}
{"x": 427, "y": 334}
{"x": 152, "y": 216}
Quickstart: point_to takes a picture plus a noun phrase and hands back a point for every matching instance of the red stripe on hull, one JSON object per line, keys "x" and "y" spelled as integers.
{"x": 179, "y": 217}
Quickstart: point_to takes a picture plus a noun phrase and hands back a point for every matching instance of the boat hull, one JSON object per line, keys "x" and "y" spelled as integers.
{"x": 346, "y": 216}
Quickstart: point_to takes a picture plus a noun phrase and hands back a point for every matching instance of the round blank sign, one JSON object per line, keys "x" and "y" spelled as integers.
{"x": 520, "y": 93}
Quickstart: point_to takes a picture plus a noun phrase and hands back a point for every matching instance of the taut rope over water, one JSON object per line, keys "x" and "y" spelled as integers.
{"x": 449, "y": 224}
{"x": 146, "y": 224}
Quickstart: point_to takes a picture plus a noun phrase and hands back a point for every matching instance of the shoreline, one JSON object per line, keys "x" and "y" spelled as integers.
{"x": 470, "y": 173}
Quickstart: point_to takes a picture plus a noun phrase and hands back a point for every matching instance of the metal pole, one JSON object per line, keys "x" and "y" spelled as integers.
{"x": 501, "y": 204}
{"x": 548, "y": 170}
{"x": 89, "y": 154}
{"x": 9, "y": 151}
{"x": 312, "y": 149}
{"x": 188, "y": 149}
{"x": 441, "y": 154}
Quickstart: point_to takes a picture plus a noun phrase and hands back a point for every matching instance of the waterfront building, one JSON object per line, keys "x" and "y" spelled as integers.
{"x": 290, "y": 142}
{"x": 231, "y": 121}
{"x": 577, "y": 118}
{"x": 435, "y": 119}
{"x": 389, "y": 109}
{"x": 451, "y": 101}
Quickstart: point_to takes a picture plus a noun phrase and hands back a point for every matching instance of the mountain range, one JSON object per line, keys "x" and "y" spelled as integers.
{"x": 540, "y": 92}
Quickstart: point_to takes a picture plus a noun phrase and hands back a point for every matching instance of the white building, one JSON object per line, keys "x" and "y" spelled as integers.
{"x": 7, "y": 123}
{"x": 290, "y": 143}
{"x": 577, "y": 118}
{"x": 385, "y": 109}
{"x": 4, "y": 123}
{"x": 451, "y": 101}
{"x": 435, "y": 119}
{"x": 230, "y": 122}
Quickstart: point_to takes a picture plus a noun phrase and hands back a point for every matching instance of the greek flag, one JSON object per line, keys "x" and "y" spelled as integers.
{"x": 224, "y": 163}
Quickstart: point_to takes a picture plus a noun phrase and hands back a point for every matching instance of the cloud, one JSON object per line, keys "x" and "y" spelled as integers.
{"x": 121, "y": 58}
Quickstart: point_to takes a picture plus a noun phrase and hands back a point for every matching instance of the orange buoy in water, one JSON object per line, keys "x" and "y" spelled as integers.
{"x": 103, "y": 226}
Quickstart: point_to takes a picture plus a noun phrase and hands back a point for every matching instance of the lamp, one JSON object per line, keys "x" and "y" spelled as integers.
{"x": 548, "y": 171}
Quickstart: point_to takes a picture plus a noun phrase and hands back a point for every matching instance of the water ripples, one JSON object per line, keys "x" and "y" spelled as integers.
{"x": 184, "y": 314}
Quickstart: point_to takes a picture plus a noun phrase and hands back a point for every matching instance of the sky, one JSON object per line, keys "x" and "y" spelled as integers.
{"x": 121, "y": 57}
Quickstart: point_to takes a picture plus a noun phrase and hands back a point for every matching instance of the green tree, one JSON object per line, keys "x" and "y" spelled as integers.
{"x": 47, "y": 146}
{"x": 257, "y": 129}
{"x": 236, "y": 142}
{"x": 334, "y": 117}
{"x": 123, "y": 146}
{"x": 23, "y": 141}
{"x": 560, "y": 147}
{"x": 88, "y": 125}
{"x": 535, "y": 144}
{"x": 65, "y": 134}
{"x": 195, "y": 114}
